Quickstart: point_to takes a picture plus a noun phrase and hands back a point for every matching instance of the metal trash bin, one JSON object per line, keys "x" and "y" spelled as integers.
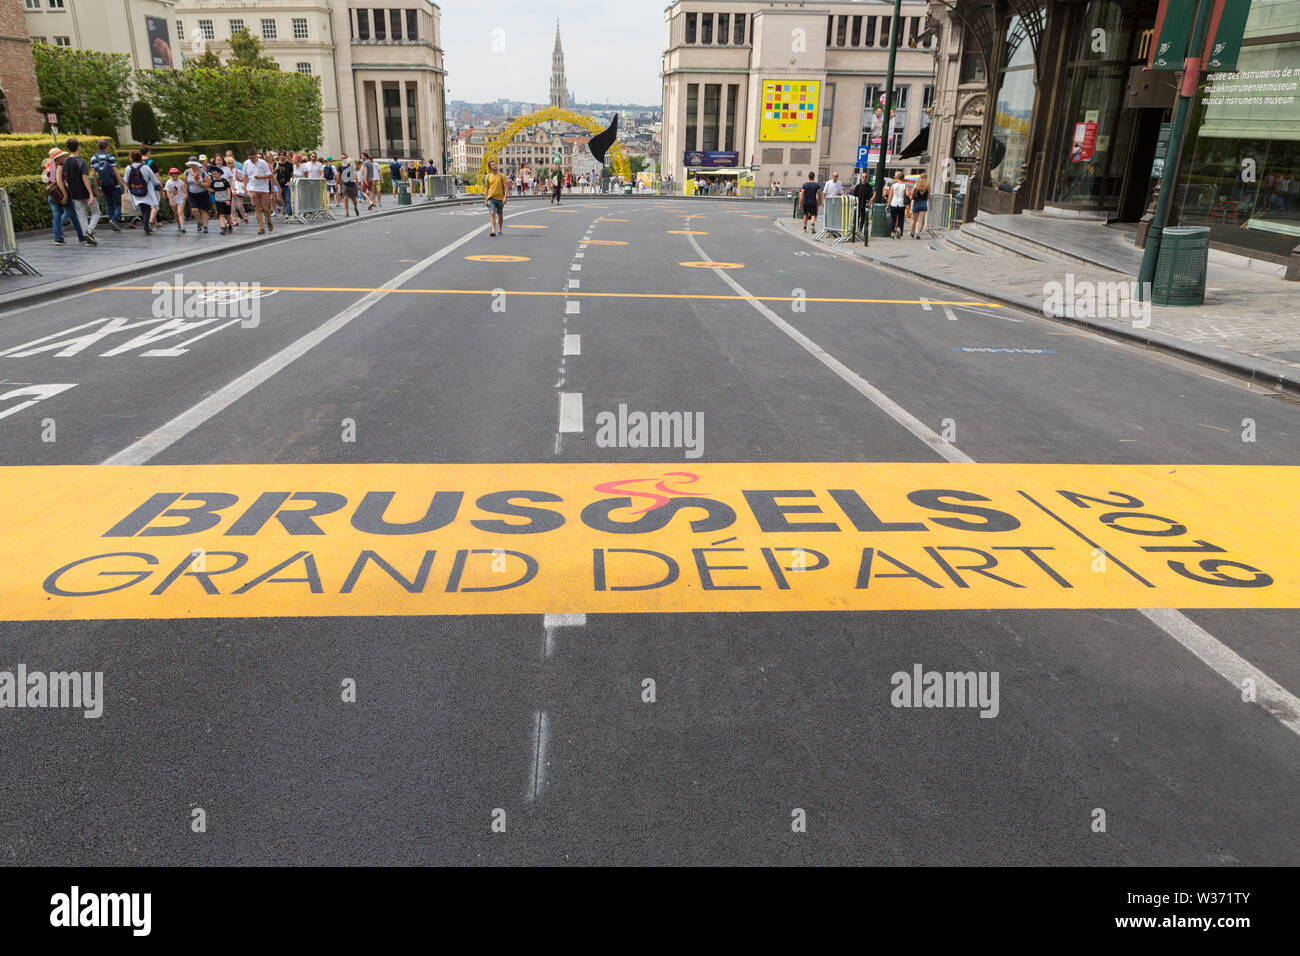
{"x": 403, "y": 194}
{"x": 627, "y": 189}
{"x": 1182, "y": 266}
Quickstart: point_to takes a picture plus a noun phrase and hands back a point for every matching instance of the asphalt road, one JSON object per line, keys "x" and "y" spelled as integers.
{"x": 388, "y": 344}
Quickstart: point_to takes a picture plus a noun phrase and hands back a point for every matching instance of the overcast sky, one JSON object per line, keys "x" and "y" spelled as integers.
{"x": 612, "y": 51}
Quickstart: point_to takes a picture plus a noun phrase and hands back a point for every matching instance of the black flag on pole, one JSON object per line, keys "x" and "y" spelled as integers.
{"x": 601, "y": 142}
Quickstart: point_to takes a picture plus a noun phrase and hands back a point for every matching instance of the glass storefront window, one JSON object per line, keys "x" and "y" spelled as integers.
{"x": 1241, "y": 172}
{"x": 1013, "y": 110}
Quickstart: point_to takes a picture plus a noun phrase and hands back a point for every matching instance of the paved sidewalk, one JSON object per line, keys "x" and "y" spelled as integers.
{"x": 1250, "y": 322}
{"x": 118, "y": 256}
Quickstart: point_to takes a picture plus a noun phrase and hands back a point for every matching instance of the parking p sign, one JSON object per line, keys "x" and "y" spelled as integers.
{"x": 864, "y": 153}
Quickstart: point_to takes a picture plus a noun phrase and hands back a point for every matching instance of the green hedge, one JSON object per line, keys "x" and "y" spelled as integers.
{"x": 27, "y": 202}
{"x": 26, "y": 155}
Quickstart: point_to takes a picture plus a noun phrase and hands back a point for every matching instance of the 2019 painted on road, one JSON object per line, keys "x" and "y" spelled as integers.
{"x": 303, "y": 540}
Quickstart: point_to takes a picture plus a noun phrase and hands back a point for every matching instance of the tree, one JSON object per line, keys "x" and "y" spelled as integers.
{"x": 246, "y": 51}
{"x": 144, "y": 124}
{"x": 208, "y": 60}
{"x": 82, "y": 79}
{"x": 235, "y": 103}
{"x": 100, "y": 122}
{"x": 637, "y": 163}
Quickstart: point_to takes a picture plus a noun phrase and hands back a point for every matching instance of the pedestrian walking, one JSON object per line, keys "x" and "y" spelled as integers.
{"x": 239, "y": 184}
{"x": 363, "y": 180}
{"x": 395, "y": 176}
{"x": 556, "y": 184}
{"x": 812, "y": 194}
{"x": 175, "y": 189}
{"x": 834, "y": 188}
{"x": 110, "y": 183}
{"x": 348, "y": 176}
{"x": 284, "y": 173}
{"x": 147, "y": 160}
{"x": 920, "y": 205}
{"x": 198, "y": 198}
{"x": 56, "y": 193}
{"x": 494, "y": 193}
{"x": 862, "y": 192}
{"x": 222, "y": 194}
{"x": 897, "y": 205}
{"x": 76, "y": 179}
{"x": 143, "y": 186}
{"x": 260, "y": 177}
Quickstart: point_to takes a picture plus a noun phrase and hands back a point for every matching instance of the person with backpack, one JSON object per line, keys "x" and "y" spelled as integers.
{"x": 149, "y": 164}
{"x": 143, "y": 185}
{"x": 76, "y": 180}
{"x": 331, "y": 182}
{"x": 56, "y": 194}
{"x": 110, "y": 183}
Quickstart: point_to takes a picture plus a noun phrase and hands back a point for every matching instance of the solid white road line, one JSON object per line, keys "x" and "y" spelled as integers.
{"x": 864, "y": 388}
{"x": 140, "y": 452}
{"x": 1228, "y": 664}
{"x": 1220, "y": 658}
{"x": 541, "y": 747}
{"x": 571, "y": 412}
{"x": 573, "y": 345}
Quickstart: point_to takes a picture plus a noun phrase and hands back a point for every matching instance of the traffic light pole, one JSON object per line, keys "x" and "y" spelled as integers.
{"x": 887, "y": 123}
{"x": 1169, "y": 175}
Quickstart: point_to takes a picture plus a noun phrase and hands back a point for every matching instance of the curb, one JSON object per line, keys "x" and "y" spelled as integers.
{"x": 27, "y": 297}
{"x": 1256, "y": 370}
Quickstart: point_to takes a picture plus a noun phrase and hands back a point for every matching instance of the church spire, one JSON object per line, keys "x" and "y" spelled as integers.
{"x": 559, "y": 86}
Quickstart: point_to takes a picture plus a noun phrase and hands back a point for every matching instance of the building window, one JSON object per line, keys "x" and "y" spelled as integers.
{"x": 706, "y": 34}
{"x": 691, "y": 27}
{"x": 38, "y": 39}
{"x": 56, "y": 4}
{"x": 692, "y": 111}
{"x": 886, "y": 26}
{"x": 363, "y": 24}
{"x": 268, "y": 29}
{"x": 180, "y": 30}
{"x": 724, "y": 27}
{"x": 738, "y": 29}
{"x": 206, "y": 30}
{"x": 712, "y": 115}
{"x": 381, "y": 27}
{"x": 842, "y": 31}
{"x": 304, "y": 67}
{"x": 869, "y": 39}
{"x": 32, "y": 4}
{"x": 733, "y": 93}
{"x": 236, "y": 26}
{"x": 873, "y": 115}
{"x": 855, "y": 35}
{"x": 412, "y": 24}
{"x": 913, "y": 28}
{"x": 1013, "y": 110}
{"x": 63, "y": 41}
{"x": 300, "y": 28}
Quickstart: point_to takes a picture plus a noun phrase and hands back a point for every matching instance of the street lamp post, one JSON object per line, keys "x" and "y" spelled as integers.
{"x": 881, "y": 228}
{"x": 1169, "y": 175}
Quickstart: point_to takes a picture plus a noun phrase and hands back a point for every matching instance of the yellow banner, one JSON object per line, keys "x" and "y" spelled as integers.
{"x": 790, "y": 111}
{"x": 304, "y": 540}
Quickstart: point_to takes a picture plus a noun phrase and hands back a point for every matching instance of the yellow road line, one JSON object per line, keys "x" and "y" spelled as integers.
{"x": 570, "y": 294}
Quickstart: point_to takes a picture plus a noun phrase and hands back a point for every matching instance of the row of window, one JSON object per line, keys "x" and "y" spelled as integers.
{"x": 866, "y": 32}
{"x": 723, "y": 29}
{"x": 379, "y": 24}
{"x": 270, "y": 29}
{"x": 58, "y": 41}
{"x": 35, "y": 5}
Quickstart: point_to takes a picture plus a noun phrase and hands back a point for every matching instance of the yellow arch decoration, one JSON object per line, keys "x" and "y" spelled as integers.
{"x": 618, "y": 159}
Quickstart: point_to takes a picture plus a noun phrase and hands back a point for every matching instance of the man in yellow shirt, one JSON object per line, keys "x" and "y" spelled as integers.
{"x": 494, "y": 191}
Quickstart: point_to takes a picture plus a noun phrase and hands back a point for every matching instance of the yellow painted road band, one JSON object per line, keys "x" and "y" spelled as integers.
{"x": 570, "y": 294}
{"x": 685, "y": 232}
{"x": 491, "y": 258}
{"x": 528, "y": 227}
{"x": 203, "y": 541}
{"x": 712, "y": 265}
{"x": 602, "y": 242}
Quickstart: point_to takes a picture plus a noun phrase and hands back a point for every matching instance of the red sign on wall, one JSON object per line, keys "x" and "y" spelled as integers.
{"x": 1085, "y": 142}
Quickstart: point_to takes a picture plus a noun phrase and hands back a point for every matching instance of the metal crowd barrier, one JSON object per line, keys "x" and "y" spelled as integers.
{"x": 439, "y": 187}
{"x": 310, "y": 199}
{"x": 944, "y": 213}
{"x": 10, "y": 260}
{"x": 839, "y": 219}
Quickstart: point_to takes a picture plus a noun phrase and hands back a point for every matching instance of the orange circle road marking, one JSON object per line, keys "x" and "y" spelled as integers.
{"x": 711, "y": 265}
{"x": 498, "y": 258}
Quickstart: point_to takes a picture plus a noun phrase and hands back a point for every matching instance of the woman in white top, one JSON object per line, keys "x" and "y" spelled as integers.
{"x": 897, "y": 205}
